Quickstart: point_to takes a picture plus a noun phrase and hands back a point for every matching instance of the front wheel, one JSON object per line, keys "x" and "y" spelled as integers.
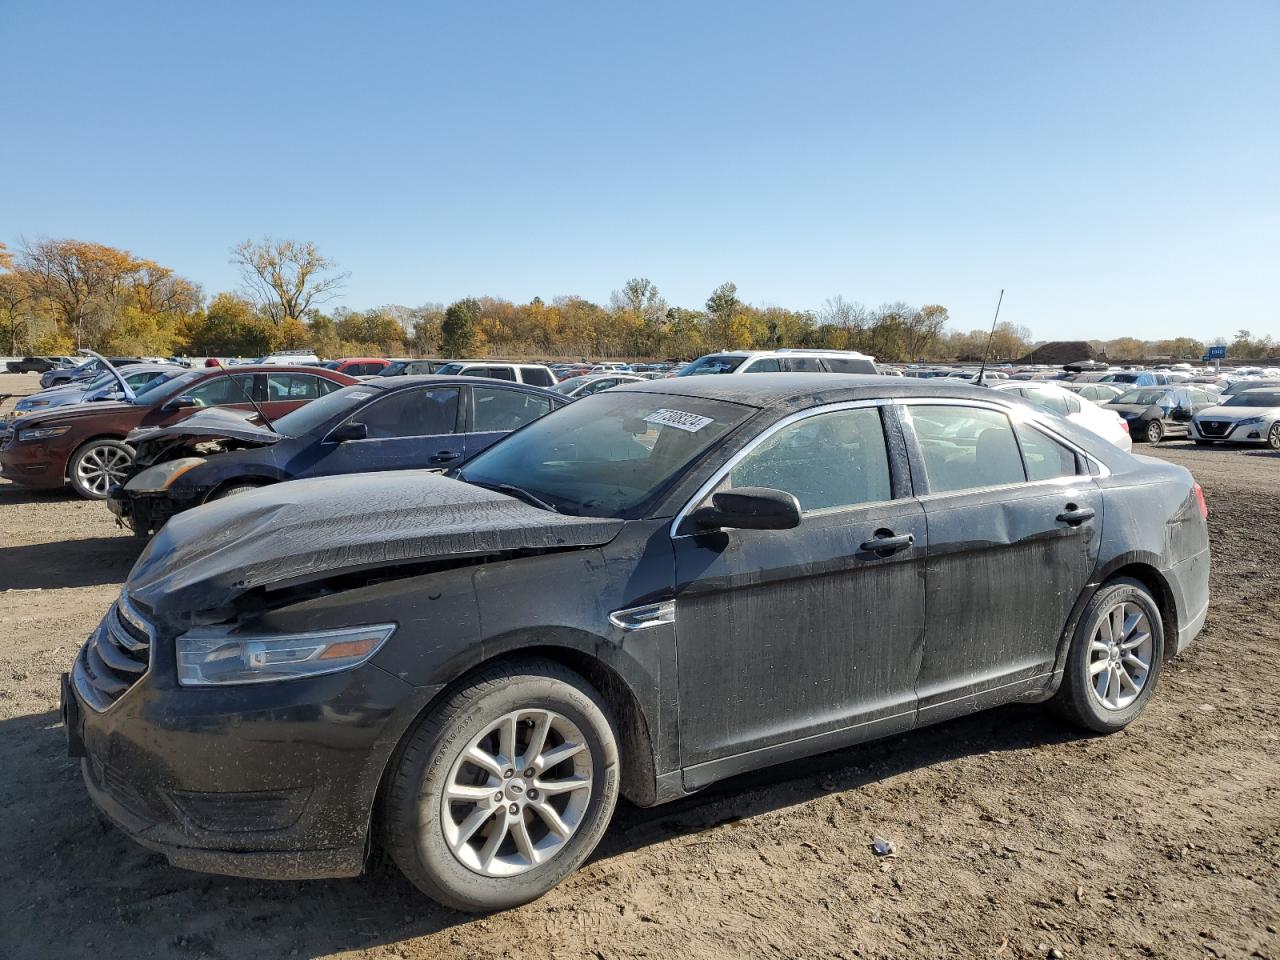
{"x": 1114, "y": 659}
{"x": 504, "y": 788}
{"x": 98, "y": 466}
{"x": 1273, "y": 436}
{"x": 1155, "y": 431}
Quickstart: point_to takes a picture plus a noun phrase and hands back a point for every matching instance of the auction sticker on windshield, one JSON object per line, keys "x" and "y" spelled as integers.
{"x": 688, "y": 422}
{"x": 360, "y": 395}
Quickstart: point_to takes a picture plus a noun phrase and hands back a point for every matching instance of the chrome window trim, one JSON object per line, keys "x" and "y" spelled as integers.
{"x": 727, "y": 467}
{"x": 1032, "y": 417}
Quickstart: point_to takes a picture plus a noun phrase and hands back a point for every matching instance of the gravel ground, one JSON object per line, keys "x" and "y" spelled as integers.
{"x": 1016, "y": 836}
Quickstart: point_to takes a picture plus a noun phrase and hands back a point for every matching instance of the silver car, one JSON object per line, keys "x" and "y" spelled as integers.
{"x": 104, "y": 386}
{"x": 1250, "y": 416}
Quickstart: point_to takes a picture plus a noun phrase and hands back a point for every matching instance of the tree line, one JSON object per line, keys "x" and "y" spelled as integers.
{"x": 59, "y": 295}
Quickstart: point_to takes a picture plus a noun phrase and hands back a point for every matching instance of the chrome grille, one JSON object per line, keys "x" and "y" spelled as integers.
{"x": 115, "y": 656}
{"x": 1213, "y": 428}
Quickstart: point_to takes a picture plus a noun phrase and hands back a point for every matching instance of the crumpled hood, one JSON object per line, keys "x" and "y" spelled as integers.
{"x": 214, "y": 423}
{"x": 311, "y": 529}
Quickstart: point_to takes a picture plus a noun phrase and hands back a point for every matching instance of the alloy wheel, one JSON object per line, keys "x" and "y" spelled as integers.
{"x": 1120, "y": 654}
{"x": 102, "y": 467}
{"x": 1155, "y": 432}
{"x": 517, "y": 794}
{"x": 1273, "y": 436}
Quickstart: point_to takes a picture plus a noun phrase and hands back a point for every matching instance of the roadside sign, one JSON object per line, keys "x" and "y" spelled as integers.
{"x": 1217, "y": 353}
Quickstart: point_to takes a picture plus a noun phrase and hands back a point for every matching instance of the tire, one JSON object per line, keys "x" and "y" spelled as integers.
{"x": 97, "y": 466}
{"x": 231, "y": 489}
{"x": 415, "y": 814}
{"x": 1155, "y": 431}
{"x": 1079, "y": 699}
{"x": 1273, "y": 436}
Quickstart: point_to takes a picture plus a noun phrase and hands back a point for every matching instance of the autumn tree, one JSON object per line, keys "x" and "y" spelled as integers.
{"x": 458, "y": 333}
{"x": 286, "y": 278}
{"x": 725, "y": 322}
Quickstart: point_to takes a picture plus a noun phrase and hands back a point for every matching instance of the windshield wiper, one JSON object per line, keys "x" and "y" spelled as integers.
{"x": 512, "y": 490}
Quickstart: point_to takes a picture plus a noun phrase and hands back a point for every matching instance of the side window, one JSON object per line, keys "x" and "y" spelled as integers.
{"x": 292, "y": 386}
{"x": 327, "y": 386}
{"x": 802, "y": 364}
{"x": 826, "y": 461}
{"x": 849, "y": 365}
{"x": 966, "y": 447}
{"x": 1045, "y": 458}
{"x": 536, "y": 376}
{"x": 597, "y": 385}
{"x": 497, "y": 373}
{"x": 498, "y": 410}
{"x": 412, "y": 413}
{"x": 223, "y": 390}
{"x": 764, "y": 365}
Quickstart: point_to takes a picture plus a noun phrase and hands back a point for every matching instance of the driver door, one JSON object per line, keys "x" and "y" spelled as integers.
{"x": 406, "y": 430}
{"x": 809, "y": 633}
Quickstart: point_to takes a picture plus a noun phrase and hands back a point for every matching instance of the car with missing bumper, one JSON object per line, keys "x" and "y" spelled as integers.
{"x": 393, "y": 423}
{"x": 643, "y": 593}
{"x": 83, "y": 445}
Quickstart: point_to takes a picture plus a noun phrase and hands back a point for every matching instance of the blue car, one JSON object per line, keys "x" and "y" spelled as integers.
{"x": 105, "y": 386}
{"x": 386, "y": 423}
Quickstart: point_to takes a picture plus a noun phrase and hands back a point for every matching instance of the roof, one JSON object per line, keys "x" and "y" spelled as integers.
{"x": 773, "y": 389}
{"x": 790, "y": 352}
{"x": 443, "y": 380}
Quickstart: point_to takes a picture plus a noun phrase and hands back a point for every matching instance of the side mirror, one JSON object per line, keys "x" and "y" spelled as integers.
{"x": 750, "y": 508}
{"x": 351, "y": 430}
{"x": 181, "y": 403}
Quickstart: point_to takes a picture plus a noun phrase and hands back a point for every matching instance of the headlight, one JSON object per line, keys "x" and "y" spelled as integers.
{"x": 212, "y": 656}
{"x": 42, "y": 433}
{"x": 1251, "y": 420}
{"x": 159, "y": 478}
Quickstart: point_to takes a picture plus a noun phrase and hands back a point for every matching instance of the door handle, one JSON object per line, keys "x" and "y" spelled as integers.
{"x": 1076, "y": 515}
{"x": 444, "y": 456}
{"x": 886, "y": 543}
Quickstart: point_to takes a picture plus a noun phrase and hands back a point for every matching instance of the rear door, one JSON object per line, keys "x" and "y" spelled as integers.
{"x": 494, "y": 411}
{"x": 411, "y": 429}
{"x": 1014, "y": 523}
{"x": 284, "y": 392}
{"x": 803, "y": 635}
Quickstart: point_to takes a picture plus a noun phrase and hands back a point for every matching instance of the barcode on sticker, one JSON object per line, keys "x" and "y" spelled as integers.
{"x": 688, "y": 422}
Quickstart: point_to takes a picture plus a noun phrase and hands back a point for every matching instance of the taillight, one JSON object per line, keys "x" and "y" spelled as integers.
{"x": 1124, "y": 424}
{"x": 1204, "y": 507}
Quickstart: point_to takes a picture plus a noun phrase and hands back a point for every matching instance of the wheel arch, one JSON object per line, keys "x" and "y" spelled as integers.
{"x": 1142, "y": 569}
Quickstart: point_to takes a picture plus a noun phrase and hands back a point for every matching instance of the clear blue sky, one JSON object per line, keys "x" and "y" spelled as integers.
{"x": 1115, "y": 166}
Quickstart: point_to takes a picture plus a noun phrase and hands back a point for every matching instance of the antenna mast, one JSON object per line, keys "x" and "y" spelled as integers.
{"x": 982, "y": 370}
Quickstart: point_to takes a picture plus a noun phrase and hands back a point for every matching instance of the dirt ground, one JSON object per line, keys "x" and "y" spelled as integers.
{"x": 1016, "y": 836}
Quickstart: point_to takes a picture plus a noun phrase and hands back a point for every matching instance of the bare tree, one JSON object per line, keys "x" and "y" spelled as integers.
{"x": 286, "y": 278}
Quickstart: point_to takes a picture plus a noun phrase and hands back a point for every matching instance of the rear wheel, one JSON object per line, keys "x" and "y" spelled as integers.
{"x": 98, "y": 466}
{"x": 1155, "y": 431}
{"x": 1115, "y": 658}
{"x": 504, "y": 788}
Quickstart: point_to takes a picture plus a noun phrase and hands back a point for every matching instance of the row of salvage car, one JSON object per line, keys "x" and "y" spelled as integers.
{"x": 638, "y": 593}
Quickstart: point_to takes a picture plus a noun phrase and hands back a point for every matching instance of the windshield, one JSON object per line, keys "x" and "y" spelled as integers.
{"x": 712, "y": 364}
{"x": 392, "y": 369}
{"x": 166, "y": 388}
{"x": 1254, "y": 398}
{"x": 608, "y": 455}
{"x": 310, "y": 415}
{"x": 1144, "y": 397}
{"x": 568, "y": 386}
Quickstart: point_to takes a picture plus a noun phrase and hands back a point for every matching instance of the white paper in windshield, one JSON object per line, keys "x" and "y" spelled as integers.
{"x": 688, "y": 422}
{"x": 360, "y": 395}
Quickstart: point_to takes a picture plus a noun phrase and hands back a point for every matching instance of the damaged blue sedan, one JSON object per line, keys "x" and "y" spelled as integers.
{"x": 650, "y": 590}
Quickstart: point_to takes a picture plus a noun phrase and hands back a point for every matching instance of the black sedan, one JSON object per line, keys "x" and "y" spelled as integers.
{"x": 1154, "y": 413}
{"x": 391, "y": 424}
{"x": 650, "y": 590}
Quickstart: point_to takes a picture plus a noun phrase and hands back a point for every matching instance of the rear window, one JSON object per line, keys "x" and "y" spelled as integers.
{"x": 538, "y": 376}
{"x": 849, "y": 365}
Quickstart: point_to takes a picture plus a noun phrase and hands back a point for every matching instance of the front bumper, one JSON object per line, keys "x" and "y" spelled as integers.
{"x": 273, "y": 780}
{"x": 1230, "y": 432}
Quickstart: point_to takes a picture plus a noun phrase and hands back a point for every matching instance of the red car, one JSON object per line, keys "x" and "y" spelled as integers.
{"x": 83, "y": 444}
{"x": 359, "y": 366}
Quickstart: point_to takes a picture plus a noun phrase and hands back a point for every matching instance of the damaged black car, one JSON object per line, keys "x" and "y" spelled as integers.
{"x": 394, "y": 424}
{"x": 650, "y": 590}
